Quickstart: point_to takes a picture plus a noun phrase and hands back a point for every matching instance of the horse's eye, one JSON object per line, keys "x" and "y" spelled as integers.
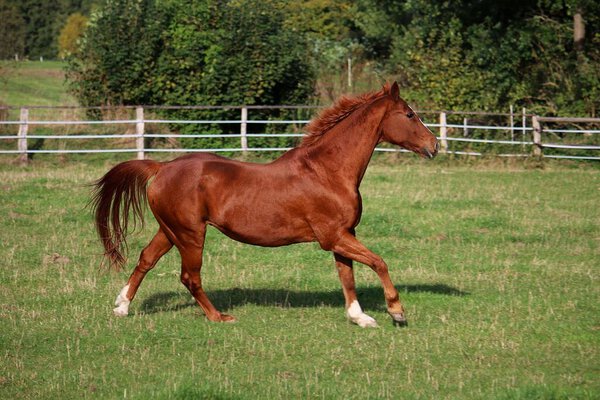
{"x": 410, "y": 114}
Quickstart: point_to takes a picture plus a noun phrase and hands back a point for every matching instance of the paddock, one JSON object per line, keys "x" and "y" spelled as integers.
{"x": 496, "y": 263}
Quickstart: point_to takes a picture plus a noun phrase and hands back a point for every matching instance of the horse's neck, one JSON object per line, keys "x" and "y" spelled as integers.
{"x": 347, "y": 148}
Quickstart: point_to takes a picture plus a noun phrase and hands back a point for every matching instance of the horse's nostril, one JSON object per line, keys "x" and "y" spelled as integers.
{"x": 437, "y": 146}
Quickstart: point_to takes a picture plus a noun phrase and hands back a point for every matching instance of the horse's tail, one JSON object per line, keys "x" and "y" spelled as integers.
{"x": 121, "y": 189}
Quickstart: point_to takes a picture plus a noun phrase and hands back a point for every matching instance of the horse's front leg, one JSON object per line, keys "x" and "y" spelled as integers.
{"x": 353, "y": 310}
{"x": 349, "y": 247}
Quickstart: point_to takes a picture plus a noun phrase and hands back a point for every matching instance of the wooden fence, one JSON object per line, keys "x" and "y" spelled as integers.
{"x": 460, "y": 133}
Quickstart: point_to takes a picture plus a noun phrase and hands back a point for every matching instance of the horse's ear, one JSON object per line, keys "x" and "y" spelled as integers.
{"x": 395, "y": 91}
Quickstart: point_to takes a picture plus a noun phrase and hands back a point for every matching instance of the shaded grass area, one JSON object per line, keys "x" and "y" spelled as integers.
{"x": 497, "y": 266}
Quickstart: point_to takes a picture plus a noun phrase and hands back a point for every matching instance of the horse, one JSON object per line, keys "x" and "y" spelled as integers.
{"x": 309, "y": 194}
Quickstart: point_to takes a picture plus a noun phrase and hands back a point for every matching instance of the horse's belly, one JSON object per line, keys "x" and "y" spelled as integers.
{"x": 255, "y": 205}
{"x": 265, "y": 230}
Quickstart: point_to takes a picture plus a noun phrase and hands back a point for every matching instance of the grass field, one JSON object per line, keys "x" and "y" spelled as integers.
{"x": 34, "y": 83}
{"x": 498, "y": 267}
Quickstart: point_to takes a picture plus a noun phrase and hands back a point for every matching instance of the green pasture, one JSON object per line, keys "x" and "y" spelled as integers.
{"x": 498, "y": 267}
{"x": 34, "y": 83}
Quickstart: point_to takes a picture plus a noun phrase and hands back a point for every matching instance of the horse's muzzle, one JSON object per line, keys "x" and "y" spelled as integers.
{"x": 429, "y": 153}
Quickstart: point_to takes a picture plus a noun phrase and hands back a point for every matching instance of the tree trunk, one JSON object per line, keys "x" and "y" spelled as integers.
{"x": 578, "y": 30}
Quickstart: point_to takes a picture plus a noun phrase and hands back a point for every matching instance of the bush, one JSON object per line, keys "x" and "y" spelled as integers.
{"x": 70, "y": 34}
{"x": 192, "y": 53}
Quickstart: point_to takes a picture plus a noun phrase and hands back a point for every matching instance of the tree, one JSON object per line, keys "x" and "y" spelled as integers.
{"x": 118, "y": 54}
{"x": 234, "y": 52}
{"x": 40, "y": 22}
{"x": 70, "y": 34}
{"x": 12, "y": 31}
{"x": 41, "y": 27}
{"x": 209, "y": 52}
{"x": 180, "y": 52}
{"x": 489, "y": 54}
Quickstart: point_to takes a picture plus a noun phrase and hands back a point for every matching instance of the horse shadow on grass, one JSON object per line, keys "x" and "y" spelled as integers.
{"x": 371, "y": 298}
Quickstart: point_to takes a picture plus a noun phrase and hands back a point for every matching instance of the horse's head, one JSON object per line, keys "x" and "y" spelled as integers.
{"x": 403, "y": 127}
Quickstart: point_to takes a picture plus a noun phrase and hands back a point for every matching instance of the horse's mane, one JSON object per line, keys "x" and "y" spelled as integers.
{"x": 331, "y": 116}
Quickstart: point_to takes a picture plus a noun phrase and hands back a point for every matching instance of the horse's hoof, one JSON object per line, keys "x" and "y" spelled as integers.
{"x": 227, "y": 318}
{"x": 367, "y": 323}
{"x": 222, "y": 318}
{"x": 364, "y": 321}
{"x": 399, "y": 319}
{"x": 120, "y": 312}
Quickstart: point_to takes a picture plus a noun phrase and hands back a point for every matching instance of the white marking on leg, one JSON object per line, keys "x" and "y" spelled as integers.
{"x": 356, "y": 315}
{"x": 122, "y": 303}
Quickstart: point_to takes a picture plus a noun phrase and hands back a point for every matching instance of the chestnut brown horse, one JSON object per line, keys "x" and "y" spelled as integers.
{"x": 311, "y": 193}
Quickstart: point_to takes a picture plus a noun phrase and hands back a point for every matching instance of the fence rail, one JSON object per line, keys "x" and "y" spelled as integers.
{"x": 532, "y": 136}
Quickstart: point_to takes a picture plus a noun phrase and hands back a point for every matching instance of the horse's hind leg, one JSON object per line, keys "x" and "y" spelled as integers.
{"x": 158, "y": 246}
{"x": 191, "y": 249}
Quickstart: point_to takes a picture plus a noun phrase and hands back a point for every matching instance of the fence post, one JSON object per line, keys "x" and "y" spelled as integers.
{"x": 537, "y": 136}
{"x": 244, "y": 129}
{"x": 512, "y": 123}
{"x": 349, "y": 72}
{"x": 139, "y": 131}
{"x": 443, "y": 133}
{"x": 524, "y": 129}
{"x": 22, "y": 141}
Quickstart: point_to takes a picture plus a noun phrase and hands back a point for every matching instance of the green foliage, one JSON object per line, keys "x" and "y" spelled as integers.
{"x": 12, "y": 31}
{"x": 332, "y": 37}
{"x": 328, "y": 27}
{"x": 377, "y": 24}
{"x": 477, "y": 55}
{"x": 41, "y": 22}
{"x": 237, "y": 52}
{"x": 320, "y": 19}
{"x": 118, "y": 54}
{"x": 70, "y": 34}
{"x": 435, "y": 71}
{"x": 491, "y": 54}
{"x": 483, "y": 55}
{"x": 192, "y": 53}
